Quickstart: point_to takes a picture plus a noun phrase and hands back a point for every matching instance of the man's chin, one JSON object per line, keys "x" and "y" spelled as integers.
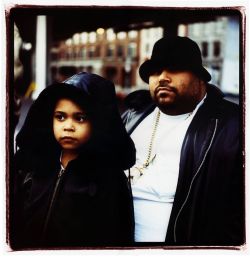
{"x": 164, "y": 102}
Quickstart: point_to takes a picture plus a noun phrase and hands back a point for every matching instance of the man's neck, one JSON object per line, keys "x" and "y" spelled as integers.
{"x": 175, "y": 111}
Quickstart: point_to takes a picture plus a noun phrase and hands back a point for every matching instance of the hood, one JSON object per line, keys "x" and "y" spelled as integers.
{"x": 110, "y": 139}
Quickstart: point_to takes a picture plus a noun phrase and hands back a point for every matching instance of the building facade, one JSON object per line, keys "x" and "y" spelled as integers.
{"x": 117, "y": 56}
{"x": 219, "y": 44}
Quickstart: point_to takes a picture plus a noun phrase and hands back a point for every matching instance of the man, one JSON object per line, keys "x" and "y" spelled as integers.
{"x": 187, "y": 183}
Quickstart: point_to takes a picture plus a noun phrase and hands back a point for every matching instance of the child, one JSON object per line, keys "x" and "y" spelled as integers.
{"x": 68, "y": 188}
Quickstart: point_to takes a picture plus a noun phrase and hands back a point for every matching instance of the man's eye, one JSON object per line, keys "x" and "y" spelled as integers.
{"x": 159, "y": 70}
{"x": 156, "y": 72}
{"x": 59, "y": 117}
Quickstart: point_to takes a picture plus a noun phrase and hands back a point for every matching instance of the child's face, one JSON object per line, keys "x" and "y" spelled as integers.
{"x": 70, "y": 125}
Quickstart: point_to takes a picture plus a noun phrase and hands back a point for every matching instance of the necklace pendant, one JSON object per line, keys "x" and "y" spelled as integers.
{"x": 135, "y": 174}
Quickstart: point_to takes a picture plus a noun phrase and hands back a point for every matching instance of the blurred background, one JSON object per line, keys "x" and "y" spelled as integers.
{"x": 51, "y": 44}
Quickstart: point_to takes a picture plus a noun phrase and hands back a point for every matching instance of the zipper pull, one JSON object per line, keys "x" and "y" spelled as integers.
{"x": 61, "y": 172}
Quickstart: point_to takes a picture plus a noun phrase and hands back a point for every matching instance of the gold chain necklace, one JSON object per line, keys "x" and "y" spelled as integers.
{"x": 137, "y": 172}
{"x": 150, "y": 147}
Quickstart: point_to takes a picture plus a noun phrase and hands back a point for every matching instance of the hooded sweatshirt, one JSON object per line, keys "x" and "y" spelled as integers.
{"x": 87, "y": 204}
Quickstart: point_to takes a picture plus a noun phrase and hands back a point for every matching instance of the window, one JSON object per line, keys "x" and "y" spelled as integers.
{"x": 204, "y": 49}
{"x": 110, "y": 35}
{"x": 83, "y": 52}
{"x": 132, "y": 49}
{"x": 92, "y": 52}
{"x": 76, "y": 52}
{"x": 147, "y": 47}
{"x": 110, "y": 50}
{"x": 92, "y": 37}
{"x": 84, "y": 37}
{"x": 121, "y": 35}
{"x": 69, "y": 54}
{"x": 217, "y": 49}
{"x": 119, "y": 51}
{"x": 132, "y": 34}
{"x": 98, "y": 51}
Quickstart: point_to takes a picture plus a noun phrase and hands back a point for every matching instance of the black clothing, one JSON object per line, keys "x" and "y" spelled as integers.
{"x": 175, "y": 54}
{"x": 89, "y": 203}
{"x": 208, "y": 208}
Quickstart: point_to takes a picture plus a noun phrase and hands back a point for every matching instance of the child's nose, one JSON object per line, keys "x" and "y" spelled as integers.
{"x": 69, "y": 125}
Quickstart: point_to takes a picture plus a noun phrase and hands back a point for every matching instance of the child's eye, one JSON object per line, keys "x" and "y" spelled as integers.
{"x": 81, "y": 118}
{"x": 59, "y": 117}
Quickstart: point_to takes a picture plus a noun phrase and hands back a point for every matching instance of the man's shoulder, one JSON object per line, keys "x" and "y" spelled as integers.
{"x": 138, "y": 100}
{"x": 217, "y": 100}
{"x": 229, "y": 108}
{"x": 139, "y": 104}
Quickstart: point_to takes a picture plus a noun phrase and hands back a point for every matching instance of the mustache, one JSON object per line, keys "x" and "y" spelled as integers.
{"x": 166, "y": 86}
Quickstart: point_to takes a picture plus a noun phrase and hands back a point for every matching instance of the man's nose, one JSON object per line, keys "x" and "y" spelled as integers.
{"x": 164, "y": 77}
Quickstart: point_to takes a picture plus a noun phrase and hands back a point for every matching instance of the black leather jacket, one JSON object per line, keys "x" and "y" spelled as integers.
{"x": 87, "y": 204}
{"x": 208, "y": 208}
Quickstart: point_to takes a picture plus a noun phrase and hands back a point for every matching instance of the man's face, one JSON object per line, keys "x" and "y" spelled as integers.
{"x": 177, "y": 91}
{"x": 71, "y": 126}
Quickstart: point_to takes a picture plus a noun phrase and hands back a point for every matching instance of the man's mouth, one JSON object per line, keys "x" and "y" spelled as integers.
{"x": 164, "y": 89}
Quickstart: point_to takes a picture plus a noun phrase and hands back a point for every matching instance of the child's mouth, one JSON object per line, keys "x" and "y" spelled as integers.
{"x": 67, "y": 138}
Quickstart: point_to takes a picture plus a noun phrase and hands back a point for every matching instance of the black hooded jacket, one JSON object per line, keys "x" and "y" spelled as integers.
{"x": 208, "y": 208}
{"x": 89, "y": 204}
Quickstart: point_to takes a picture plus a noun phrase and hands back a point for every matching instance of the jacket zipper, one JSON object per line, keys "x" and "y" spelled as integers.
{"x": 59, "y": 177}
{"x": 192, "y": 181}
